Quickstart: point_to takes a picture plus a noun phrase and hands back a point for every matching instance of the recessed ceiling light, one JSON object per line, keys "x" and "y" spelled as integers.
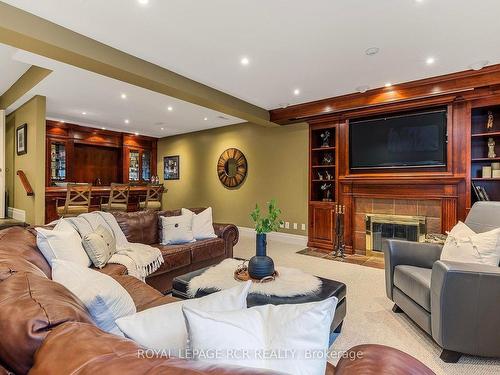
{"x": 127, "y": 121}
{"x": 62, "y": 122}
{"x": 123, "y": 96}
{"x": 84, "y": 113}
{"x": 362, "y": 89}
{"x": 170, "y": 108}
{"x": 205, "y": 119}
{"x": 479, "y": 65}
{"x": 388, "y": 84}
{"x": 103, "y": 128}
{"x": 136, "y": 133}
{"x": 430, "y": 60}
{"x": 162, "y": 128}
{"x": 244, "y": 61}
{"x": 296, "y": 92}
{"x": 372, "y": 51}
{"x": 143, "y": 2}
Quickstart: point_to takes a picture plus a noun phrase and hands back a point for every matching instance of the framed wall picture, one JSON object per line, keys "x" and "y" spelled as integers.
{"x": 22, "y": 139}
{"x": 171, "y": 167}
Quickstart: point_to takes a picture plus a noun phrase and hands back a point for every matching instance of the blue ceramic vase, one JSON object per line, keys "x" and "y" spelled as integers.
{"x": 260, "y": 265}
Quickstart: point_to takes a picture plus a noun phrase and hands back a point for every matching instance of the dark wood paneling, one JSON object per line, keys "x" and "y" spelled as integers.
{"x": 93, "y": 153}
{"x": 97, "y": 162}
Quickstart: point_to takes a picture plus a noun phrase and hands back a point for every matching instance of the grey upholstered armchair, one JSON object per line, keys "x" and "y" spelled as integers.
{"x": 458, "y": 304}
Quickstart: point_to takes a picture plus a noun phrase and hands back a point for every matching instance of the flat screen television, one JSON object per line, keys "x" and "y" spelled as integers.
{"x": 407, "y": 140}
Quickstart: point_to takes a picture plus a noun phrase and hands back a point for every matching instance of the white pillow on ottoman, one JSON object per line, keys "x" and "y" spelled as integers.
{"x": 63, "y": 242}
{"x": 293, "y": 339}
{"x": 177, "y": 229}
{"x": 465, "y": 246}
{"x": 203, "y": 226}
{"x": 163, "y": 327}
{"x": 105, "y": 299}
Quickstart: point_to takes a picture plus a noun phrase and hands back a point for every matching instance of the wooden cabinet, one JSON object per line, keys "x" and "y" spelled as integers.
{"x": 57, "y": 160}
{"x": 139, "y": 155}
{"x": 321, "y": 225}
{"x": 139, "y": 165}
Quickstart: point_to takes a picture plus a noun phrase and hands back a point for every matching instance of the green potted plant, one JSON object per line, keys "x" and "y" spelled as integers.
{"x": 261, "y": 265}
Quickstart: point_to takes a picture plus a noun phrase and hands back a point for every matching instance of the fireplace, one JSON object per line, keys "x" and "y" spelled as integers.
{"x": 380, "y": 227}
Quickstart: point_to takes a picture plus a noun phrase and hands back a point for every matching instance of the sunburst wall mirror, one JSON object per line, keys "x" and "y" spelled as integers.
{"x": 232, "y": 168}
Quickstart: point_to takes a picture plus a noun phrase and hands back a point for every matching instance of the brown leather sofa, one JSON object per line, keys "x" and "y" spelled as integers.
{"x": 45, "y": 329}
{"x": 145, "y": 227}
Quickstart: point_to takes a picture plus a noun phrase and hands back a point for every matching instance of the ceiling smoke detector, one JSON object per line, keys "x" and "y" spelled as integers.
{"x": 372, "y": 51}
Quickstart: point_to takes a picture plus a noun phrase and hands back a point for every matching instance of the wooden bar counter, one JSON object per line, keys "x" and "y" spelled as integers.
{"x": 54, "y": 192}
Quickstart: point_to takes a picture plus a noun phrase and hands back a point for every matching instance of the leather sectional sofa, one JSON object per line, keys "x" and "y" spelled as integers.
{"x": 145, "y": 227}
{"x": 45, "y": 329}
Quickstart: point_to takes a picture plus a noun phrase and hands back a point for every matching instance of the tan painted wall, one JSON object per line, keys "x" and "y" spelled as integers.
{"x": 277, "y": 168}
{"x": 32, "y": 163}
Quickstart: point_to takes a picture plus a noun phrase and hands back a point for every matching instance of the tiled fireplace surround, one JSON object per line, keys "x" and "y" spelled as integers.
{"x": 430, "y": 208}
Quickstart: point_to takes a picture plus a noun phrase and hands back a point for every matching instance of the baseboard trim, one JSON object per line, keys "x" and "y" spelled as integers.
{"x": 17, "y": 214}
{"x": 290, "y": 238}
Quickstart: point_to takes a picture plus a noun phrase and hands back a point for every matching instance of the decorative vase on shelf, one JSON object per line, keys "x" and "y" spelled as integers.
{"x": 260, "y": 265}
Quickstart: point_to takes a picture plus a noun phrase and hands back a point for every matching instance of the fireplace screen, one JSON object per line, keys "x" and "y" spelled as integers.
{"x": 381, "y": 227}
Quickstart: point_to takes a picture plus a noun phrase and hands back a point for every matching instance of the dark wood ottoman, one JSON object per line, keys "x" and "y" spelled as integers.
{"x": 329, "y": 288}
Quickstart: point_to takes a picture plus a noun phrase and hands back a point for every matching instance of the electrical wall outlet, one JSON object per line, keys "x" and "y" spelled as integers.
{"x": 295, "y": 226}
{"x": 303, "y": 227}
{"x": 287, "y": 225}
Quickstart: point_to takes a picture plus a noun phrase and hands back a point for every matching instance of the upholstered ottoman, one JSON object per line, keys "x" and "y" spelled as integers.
{"x": 329, "y": 288}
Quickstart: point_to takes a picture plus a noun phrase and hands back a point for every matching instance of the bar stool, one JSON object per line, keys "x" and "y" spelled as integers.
{"x": 77, "y": 200}
{"x": 153, "y": 198}
{"x": 118, "y": 198}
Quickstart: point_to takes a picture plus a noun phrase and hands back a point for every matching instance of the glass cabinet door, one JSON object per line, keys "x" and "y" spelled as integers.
{"x": 133, "y": 169}
{"x": 57, "y": 162}
{"x": 146, "y": 166}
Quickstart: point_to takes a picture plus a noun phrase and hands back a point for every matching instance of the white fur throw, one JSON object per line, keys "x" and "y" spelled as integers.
{"x": 290, "y": 282}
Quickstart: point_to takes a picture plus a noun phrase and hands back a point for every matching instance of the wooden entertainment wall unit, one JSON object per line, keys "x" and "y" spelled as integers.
{"x": 443, "y": 194}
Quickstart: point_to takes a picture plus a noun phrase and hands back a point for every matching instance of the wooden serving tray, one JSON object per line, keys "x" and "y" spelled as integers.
{"x": 242, "y": 275}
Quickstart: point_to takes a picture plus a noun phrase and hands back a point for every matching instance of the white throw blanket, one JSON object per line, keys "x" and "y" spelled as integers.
{"x": 141, "y": 260}
{"x": 290, "y": 282}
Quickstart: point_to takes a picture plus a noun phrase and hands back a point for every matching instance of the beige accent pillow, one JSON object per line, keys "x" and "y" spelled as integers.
{"x": 100, "y": 245}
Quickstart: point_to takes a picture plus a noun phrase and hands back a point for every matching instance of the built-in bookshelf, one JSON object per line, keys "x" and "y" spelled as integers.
{"x": 323, "y": 160}
{"x": 322, "y": 183}
{"x": 486, "y": 182}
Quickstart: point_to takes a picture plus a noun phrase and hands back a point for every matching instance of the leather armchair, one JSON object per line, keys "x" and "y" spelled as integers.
{"x": 457, "y": 304}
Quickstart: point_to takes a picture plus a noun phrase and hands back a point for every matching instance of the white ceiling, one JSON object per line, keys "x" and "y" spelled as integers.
{"x": 317, "y": 46}
{"x": 10, "y": 69}
{"x": 71, "y": 91}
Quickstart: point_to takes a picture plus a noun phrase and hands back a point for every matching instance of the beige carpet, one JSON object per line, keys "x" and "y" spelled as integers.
{"x": 369, "y": 317}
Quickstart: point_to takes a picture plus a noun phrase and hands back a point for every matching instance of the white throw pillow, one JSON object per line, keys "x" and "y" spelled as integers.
{"x": 203, "y": 226}
{"x": 63, "y": 242}
{"x": 288, "y": 338}
{"x": 105, "y": 299}
{"x": 177, "y": 229}
{"x": 465, "y": 246}
{"x": 163, "y": 327}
